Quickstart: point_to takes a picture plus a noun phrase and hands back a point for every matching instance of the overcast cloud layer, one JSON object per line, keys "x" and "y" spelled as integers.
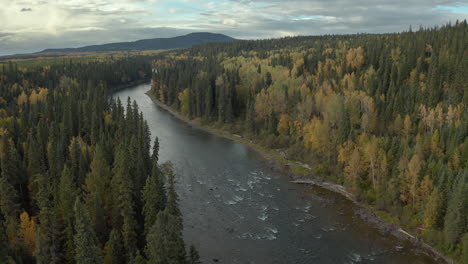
{"x": 29, "y": 26}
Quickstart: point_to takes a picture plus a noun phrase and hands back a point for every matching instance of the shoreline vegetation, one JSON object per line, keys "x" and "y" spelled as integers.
{"x": 301, "y": 173}
{"x": 382, "y": 114}
{"x": 80, "y": 179}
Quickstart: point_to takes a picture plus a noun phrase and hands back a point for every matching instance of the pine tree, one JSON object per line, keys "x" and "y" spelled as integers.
{"x": 47, "y": 240}
{"x": 174, "y": 241}
{"x": 114, "y": 250}
{"x": 66, "y": 199}
{"x": 465, "y": 248}
{"x": 164, "y": 239}
{"x": 155, "y": 155}
{"x": 122, "y": 190}
{"x": 457, "y": 210}
{"x": 175, "y": 247}
{"x": 87, "y": 251}
{"x": 172, "y": 205}
{"x": 4, "y": 246}
{"x": 156, "y": 240}
{"x": 139, "y": 259}
{"x": 98, "y": 200}
{"x": 10, "y": 162}
{"x": 154, "y": 197}
{"x": 10, "y": 210}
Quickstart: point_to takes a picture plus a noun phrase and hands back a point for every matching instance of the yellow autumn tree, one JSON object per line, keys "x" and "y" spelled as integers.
{"x": 409, "y": 177}
{"x": 38, "y": 96}
{"x": 355, "y": 57}
{"x": 28, "y": 232}
{"x": 22, "y": 99}
{"x": 371, "y": 149}
{"x": 425, "y": 189}
{"x": 262, "y": 105}
{"x": 184, "y": 98}
{"x": 435, "y": 149}
{"x": 432, "y": 209}
{"x": 283, "y": 125}
{"x": 407, "y": 127}
{"x": 353, "y": 170}
{"x": 317, "y": 136}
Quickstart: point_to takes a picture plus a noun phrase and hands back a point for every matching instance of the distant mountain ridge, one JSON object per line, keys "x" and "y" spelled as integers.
{"x": 185, "y": 41}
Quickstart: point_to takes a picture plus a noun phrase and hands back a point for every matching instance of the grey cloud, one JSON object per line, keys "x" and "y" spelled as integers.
{"x": 15, "y": 44}
{"x": 314, "y": 17}
{"x": 26, "y": 9}
{"x": 248, "y": 19}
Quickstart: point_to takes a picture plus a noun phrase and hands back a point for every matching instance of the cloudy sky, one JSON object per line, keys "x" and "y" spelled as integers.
{"x": 29, "y": 26}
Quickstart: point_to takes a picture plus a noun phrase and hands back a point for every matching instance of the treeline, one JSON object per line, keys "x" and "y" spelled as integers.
{"x": 383, "y": 114}
{"x": 80, "y": 181}
{"x": 114, "y": 71}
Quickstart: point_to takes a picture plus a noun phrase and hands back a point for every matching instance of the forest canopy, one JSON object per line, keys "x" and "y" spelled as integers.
{"x": 383, "y": 114}
{"x": 80, "y": 178}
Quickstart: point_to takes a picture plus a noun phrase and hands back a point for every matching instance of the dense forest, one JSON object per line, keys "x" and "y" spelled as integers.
{"x": 80, "y": 178}
{"x": 383, "y": 114}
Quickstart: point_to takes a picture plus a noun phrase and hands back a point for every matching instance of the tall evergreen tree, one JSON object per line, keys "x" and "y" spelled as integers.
{"x": 66, "y": 200}
{"x": 153, "y": 196}
{"x": 122, "y": 190}
{"x": 114, "y": 249}
{"x": 87, "y": 251}
{"x": 4, "y": 246}
{"x": 456, "y": 218}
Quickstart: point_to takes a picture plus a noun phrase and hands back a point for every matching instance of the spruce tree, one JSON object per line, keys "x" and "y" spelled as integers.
{"x": 98, "y": 199}
{"x": 66, "y": 199}
{"x": 457, "y": 210}
{"x": 139, "y": 259}
{"x": 4, "y": 246}
{"x": 114, "y": 249}
{"x": 48, "y": 232}
{"x": 9, "y": 209}
{"x": 175, "y": 246}
{"x": 122, "y": 190}
{"x": 153, "y": 197}
{"x": 156, "y": 246}
{"x": 155, "y": 154}
{"x": 85, "y": 239}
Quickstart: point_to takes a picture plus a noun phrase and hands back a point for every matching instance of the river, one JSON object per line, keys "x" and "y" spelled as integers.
{"x": 236, "y": 210}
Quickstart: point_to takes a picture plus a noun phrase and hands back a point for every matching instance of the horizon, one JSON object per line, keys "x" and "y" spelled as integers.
{"x": 78, "y": 23}
{"x": 236, "y": 39}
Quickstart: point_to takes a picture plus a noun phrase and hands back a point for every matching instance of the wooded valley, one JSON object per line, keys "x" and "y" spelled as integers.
{"x": 80, "y": 178}
{"x": 383, "y": 114}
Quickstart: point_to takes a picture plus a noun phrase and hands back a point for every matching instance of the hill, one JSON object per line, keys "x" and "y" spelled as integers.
{"x": 185, "y": 41}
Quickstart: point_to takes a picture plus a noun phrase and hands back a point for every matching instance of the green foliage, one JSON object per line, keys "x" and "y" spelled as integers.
{"x": 63, "y": 139}
{"x": 456, "y": 218}
{"x": 4, "y": 248}
{"x": 114, "y": 250}
{"x": 383, "y": 113}
{"x": 465, "y": 248}
{"x": 85, "y": 238}
{"x": 154, "y": 197}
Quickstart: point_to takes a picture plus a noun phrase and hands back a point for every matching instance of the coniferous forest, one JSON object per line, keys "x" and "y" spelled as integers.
{"x": 80, "y": 178}
{"x": 383, "y": 114}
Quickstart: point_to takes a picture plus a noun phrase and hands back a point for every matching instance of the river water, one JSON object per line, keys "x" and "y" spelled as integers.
{"x": 236, "y": 210}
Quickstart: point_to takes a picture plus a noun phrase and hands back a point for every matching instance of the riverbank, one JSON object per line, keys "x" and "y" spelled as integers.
{"x": 296, "y": 172}
{"x": 117, "y": 88}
